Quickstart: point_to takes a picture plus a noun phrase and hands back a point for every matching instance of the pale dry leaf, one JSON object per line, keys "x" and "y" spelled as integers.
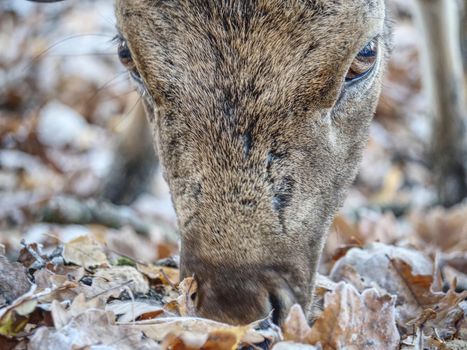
{"x": 294, "y": 346}
{"x": 84, "y": 251}
{"x": 356, "y": 321}
{"x": 62, "y": 315}
{"x": 159, "y": 328}
{"x": 88, "y": 329}
{"x": 109, "y": 279}
{"x": 296, "y": 326}
{"x": 129, "y": 310}
{"x": 187, "y": 289}
{"x": 372, "y": 266}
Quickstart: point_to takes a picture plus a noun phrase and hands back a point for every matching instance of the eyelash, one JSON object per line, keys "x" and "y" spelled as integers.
{"x": 364, "y": 63}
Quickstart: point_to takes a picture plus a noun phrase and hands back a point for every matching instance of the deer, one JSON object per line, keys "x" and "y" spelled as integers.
{"x": 259, "y": 111}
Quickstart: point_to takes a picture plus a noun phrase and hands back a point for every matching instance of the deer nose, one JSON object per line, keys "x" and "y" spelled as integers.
{"x": 244, "y": 301}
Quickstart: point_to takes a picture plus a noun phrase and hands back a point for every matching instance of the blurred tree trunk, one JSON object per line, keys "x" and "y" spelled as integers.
{"x": 443, "y": 78}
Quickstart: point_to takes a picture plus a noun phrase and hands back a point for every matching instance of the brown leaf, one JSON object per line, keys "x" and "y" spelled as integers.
{"x": 165, "y": 275}
{"x": 443, "y": 228}
{"x": 223, "y": 340}
{"x": 187, "y": 288}
{"x": 296, "y": 326}
{"x": 189, "y": 327}
{"x": 423, "y": 306}
{"x": 7, "y": 343}
{"x": 354, "y": 321}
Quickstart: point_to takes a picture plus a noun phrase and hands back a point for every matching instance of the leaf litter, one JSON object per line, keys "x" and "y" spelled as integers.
{"x": 79, "y": 273}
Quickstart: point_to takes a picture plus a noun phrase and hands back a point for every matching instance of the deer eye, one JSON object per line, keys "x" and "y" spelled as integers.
{"x": 363, "y": 63}
{"x": 124, "y": 54}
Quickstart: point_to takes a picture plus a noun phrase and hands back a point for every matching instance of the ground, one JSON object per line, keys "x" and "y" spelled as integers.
{"x": 80, "y": 273}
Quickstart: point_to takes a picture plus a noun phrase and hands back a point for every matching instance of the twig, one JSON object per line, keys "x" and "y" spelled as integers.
{"x": 127, "y": 283}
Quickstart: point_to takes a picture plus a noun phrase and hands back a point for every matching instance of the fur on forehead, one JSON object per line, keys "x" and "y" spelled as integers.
{"x": 302, "y": 38}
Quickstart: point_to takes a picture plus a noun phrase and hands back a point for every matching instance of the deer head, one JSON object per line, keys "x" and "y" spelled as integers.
{"x": 260, "y": 110}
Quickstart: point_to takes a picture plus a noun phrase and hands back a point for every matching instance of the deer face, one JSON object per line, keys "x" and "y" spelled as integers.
{"x": 260, "y": 110}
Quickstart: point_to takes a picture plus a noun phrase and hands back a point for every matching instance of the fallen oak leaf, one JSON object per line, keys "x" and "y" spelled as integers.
{"x": 106, "y": 279}
{"x": 296, "y": 326}
{"x": 356, "y": 321}
{"x": 420, "y": 299}
{"x": 224, "y": 339}
{"x": 91, "y": 328}
{"x": 166, "y": 275}
{"x": 418, "y": 287}
{"x": 184, "y": 341}
{"x": 158, "y": 329}
{"x": 86, "y": 252}
{"x": 373, "y": 267}
{"x": 62, "y": 316}
{"x": 131, "y": 310}
{"x": 215, "y": 340}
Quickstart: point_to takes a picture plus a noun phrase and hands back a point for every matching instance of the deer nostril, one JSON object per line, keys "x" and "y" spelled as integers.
{"x": 276, "y": 306}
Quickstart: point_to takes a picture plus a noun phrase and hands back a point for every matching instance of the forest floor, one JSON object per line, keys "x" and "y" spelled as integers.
{"x": 77, "y": 272}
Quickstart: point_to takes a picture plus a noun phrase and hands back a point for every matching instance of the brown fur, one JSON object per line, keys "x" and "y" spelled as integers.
{"x": 257, "y": 134}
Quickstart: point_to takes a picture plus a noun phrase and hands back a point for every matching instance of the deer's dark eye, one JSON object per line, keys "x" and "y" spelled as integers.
{"x": 124, "y": 54}
{"x": 363, "y": 63}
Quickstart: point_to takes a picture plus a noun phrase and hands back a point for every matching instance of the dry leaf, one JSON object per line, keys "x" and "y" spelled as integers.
{"x": 293, "y": 346}
{"x": 166, "y": 275}
{"x": 354, "y": 321}
{"x": 372, "y": 265}
{"x": 109, "y": 279}
{"x": 14, "y": 318}
{"x": 62, "y": 316}
{"x": 129, "y": 310}
{"x": 423, "y": 306}
{"x": 187, "y": 289}
{"x": 296, "y": 326}
{"x": 91, "y": 328}
{"x": 443, "y": 228}
{"x": 84, "y": 251}
{"x": 159, "y": 328}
